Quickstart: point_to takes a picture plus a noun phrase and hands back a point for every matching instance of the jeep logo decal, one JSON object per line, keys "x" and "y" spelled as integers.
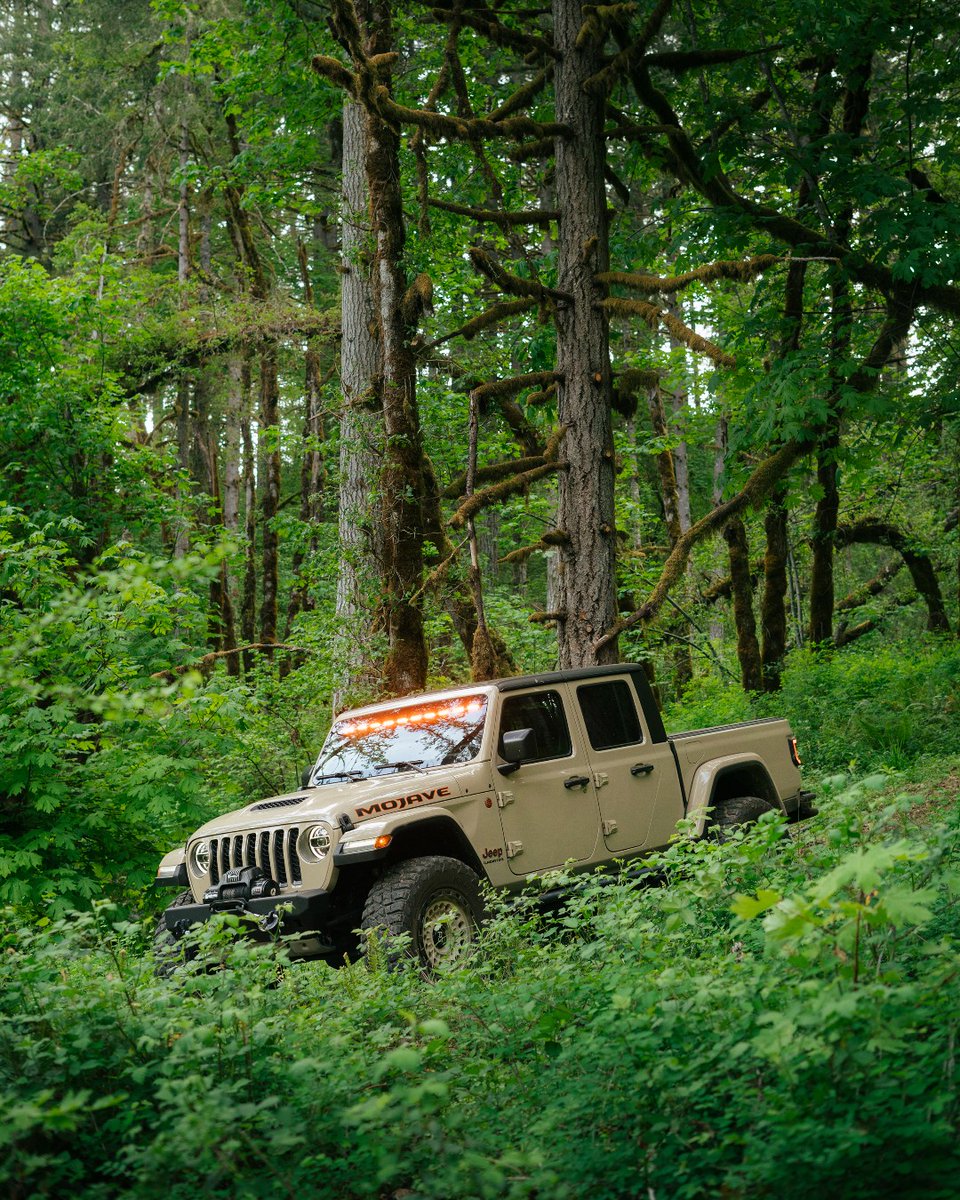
{"x": 396, "y": 803}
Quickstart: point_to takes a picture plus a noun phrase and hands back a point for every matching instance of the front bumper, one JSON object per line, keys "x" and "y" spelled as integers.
{"x": 303, "y": 911}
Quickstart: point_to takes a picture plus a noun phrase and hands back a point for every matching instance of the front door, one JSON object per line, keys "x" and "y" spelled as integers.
{"x": 548, "y": 806}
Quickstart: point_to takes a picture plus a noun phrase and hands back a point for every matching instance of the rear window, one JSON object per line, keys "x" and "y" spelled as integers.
{"x": 609, "y": 714}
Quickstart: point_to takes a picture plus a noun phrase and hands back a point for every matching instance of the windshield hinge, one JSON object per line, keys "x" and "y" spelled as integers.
{"x": 504, "y": 798}
{"x": 514, "y": 848}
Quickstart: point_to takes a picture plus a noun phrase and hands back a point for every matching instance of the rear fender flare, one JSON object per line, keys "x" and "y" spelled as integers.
{"x": 709, "y": 775}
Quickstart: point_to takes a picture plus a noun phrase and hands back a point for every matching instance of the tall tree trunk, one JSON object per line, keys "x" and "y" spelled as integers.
{"x": 248, "y": 611}
{"x": 587, "y": 563}
{"x": 773, "y": 607}
{"x": 402, "y": 483}
{"x": 361, "y": 435}
{"x": 748, "y": 649}
{"x": 270, "y": 491}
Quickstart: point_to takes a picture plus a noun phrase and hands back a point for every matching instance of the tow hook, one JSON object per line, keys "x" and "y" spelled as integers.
{"x": 269, "y": 922}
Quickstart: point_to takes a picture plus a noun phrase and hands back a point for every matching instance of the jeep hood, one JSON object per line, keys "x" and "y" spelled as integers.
{"x": 328, "y": 802}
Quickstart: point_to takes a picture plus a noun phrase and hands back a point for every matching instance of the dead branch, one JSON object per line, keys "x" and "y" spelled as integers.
{"x": 544, "y": 618}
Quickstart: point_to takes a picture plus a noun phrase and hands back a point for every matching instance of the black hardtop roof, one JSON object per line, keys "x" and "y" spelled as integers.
{"x": 572, "y": 675}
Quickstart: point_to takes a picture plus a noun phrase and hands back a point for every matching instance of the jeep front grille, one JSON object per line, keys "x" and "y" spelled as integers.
{"x": 273, "y": 850}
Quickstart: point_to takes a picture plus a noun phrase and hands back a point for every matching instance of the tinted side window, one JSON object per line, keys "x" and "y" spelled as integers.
{"x": 543, "y": 713}
{"x": 609, "y": 714}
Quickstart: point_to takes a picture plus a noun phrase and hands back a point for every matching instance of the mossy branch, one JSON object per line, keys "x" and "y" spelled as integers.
{"x": 763, "y": 480}
{"x": 523, "y": 95}
{"x": 513, "y": 285}
{"x": 654, "y": 316}
{"x": 484, "y": 21}
{"x": 627, "y": 385}
{"x": 441, "y": 125}
{"x": 542, "y": 217}
{"x": 514, "y": 485}
{"x": 872, "y": 587}
{"x": 491, "y": 316}
{"x": 499, "y": 492}
{"x": 553, "y": 537}
{"x": 541, "y": 148}
{"x": 599, "y": 19}
{"x": 336, "y": 72}
{"x": 492, "y": 472}
{"x": 739, "y": 271}
{"x": 513, "y": 384}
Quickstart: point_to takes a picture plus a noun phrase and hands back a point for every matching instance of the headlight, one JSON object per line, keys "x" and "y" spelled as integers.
{"x": 200, "y": 858}
{"x": 316, "y": 841}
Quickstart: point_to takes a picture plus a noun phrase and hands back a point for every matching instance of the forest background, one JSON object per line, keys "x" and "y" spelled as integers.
{"x": 352, "y": 348}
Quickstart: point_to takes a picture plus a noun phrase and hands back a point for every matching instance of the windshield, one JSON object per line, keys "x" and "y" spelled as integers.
{"x": 408, "y": 737}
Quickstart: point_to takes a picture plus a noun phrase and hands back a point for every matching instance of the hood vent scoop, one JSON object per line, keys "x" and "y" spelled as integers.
{"x": 288, "y": 803}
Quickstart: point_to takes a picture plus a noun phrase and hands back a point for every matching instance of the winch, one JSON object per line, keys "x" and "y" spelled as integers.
{"x": 238, "y": 885}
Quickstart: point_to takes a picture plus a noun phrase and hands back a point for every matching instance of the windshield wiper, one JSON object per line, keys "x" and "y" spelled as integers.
{"x": 404, "y": 765}
{"x": 337, "y": 775}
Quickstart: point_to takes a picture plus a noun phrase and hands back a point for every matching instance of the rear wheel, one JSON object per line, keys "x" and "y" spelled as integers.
{"x": 436, "y": 900}
{"x": 738, "y": 810}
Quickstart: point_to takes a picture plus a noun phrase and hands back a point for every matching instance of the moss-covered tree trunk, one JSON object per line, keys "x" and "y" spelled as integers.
{"x": 401, "y": 479}
{"x": 586, "y": 575}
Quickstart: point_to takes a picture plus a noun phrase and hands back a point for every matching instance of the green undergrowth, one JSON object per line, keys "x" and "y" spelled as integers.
{"x": 883, "y": 706}
{"x": 776, "y": 1017}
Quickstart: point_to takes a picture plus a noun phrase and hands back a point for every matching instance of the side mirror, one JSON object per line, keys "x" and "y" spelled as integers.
{"x": 305, "y": 775}
{"x": 517, "y": 746}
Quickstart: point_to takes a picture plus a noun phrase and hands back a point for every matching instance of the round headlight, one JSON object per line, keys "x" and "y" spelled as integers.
{"x": 318, "y": 841}
{"x": 200, "y": 858}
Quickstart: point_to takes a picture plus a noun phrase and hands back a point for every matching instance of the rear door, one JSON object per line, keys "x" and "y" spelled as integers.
{"x": 637, "y": 785}
{"x": 548, "y": 806}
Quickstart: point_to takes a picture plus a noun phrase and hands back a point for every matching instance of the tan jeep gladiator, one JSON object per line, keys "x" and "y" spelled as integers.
{"x": 413, "y": 803}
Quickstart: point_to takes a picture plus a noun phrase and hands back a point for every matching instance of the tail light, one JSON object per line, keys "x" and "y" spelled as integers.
{"x": 794, "y": 752}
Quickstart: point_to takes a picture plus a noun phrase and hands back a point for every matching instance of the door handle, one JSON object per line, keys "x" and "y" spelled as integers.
{"x": 576, "y": 781}
{"x": 641, "y": 768}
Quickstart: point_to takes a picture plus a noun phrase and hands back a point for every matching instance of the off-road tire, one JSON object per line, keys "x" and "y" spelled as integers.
{"x": 167, "y": 950}
{"x": 436, "y": 900}
{"x": 738, "y": 810}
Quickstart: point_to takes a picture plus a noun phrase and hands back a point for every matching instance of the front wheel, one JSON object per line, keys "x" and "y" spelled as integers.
{"x": 436, "y": 900}
{"x": 167, "y": 951}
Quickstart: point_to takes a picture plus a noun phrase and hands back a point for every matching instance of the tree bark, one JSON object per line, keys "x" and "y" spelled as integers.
{"x": 748, "y": 649}
{"x": 773, "y": 607}
{"x": 586, "y": 564}
{"x": 402, "y": 484}
{"x": 361, "y": 435}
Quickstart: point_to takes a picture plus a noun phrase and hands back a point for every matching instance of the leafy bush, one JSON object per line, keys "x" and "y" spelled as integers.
{"x": 888, "y": 705}
{"x": 777, "y": 1019}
